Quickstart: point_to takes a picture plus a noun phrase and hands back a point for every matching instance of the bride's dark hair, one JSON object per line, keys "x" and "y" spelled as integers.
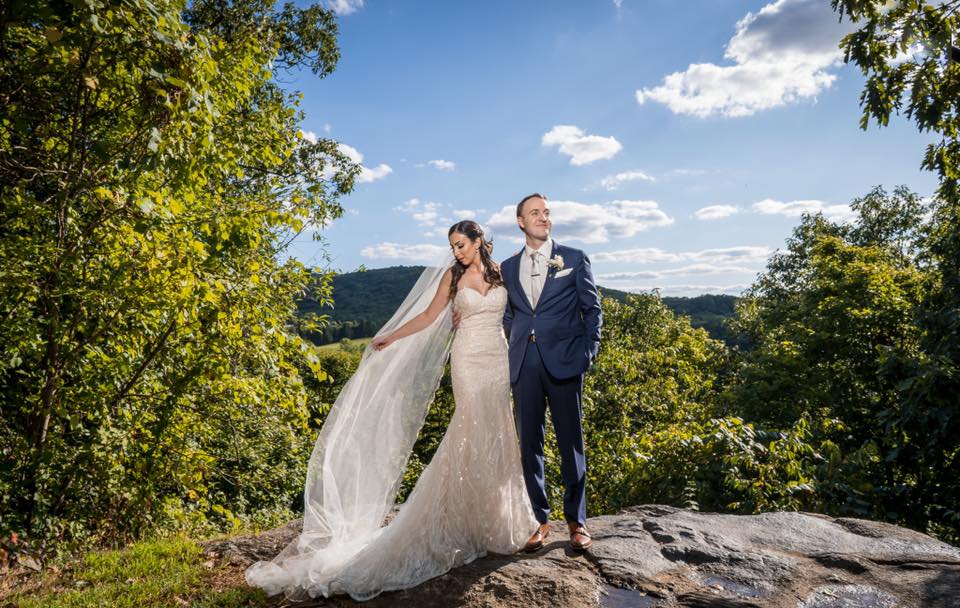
{"x": 491, "y": 272}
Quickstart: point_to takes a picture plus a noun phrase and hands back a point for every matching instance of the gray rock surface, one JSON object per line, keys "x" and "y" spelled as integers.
{"x": 657, "y": 556}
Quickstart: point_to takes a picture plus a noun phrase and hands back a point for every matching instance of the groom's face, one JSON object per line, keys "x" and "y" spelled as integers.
{"x": 535, "y": 219}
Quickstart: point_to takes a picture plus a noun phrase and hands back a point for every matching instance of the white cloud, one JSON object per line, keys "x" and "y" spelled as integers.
{"x": 367, "y": 174}
{"x": 782, "y": 54}
{"x": 588, "y": 223}
{"x": 688, "y": 290}
{"x": 428, "y": 215}
{"x": 425, "y": 214}
{"x": 327, "y": 128}
{"x": 770, "y": 206}
{"x": 344, "y": 7}
{"x": 396, "y": 251}
{"x": 642, "y": 255}
{"x": 715, "y": 212}
{"x": 443, "y": 165}
{"x": 689, "y": 172}
{"x": 437, "y": 232}
{"x": 718, "y": 256}
{"x": 612, "y": 182}
{"x": 692, "y": 269}
{"x": 582, "y": 149}
{"x": 465, "y": 214}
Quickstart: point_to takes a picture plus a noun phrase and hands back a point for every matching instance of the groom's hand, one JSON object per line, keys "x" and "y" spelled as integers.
{"x": 592, "y": 355}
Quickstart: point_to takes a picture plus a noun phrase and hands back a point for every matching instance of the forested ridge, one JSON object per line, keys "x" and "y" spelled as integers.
{"x": 364, "y": 300}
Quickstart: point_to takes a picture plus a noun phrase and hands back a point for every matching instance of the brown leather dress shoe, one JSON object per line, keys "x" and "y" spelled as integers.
{"x": 535, "y": 542}
{"x": 579, "y": 537}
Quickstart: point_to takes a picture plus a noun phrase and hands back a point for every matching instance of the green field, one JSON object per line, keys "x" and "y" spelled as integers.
{"x": 354, "y": 344}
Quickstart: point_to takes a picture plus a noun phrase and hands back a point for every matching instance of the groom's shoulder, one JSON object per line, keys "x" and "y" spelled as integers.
{"x": 571, "y": 252}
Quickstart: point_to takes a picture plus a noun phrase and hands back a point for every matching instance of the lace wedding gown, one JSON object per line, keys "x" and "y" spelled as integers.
{"x": 468, "y": 501}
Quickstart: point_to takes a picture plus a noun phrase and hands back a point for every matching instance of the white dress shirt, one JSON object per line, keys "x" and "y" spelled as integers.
{"x": 526, "y": 266}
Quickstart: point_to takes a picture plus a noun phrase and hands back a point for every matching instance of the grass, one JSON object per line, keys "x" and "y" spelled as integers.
{"x": 147, "y": 574}
{"x": 357, "y": 343}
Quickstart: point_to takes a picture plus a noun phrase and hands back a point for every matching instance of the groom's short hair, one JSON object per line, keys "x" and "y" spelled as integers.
{"x": 525, "y": 199}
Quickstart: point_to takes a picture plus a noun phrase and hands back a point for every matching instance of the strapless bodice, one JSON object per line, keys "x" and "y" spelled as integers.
{"x": 480, "y": 311}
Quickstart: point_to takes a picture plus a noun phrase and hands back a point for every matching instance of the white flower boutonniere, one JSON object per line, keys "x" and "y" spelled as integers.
{"x": 556, "y": 262}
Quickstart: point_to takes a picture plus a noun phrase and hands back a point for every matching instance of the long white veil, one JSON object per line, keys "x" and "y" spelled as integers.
{"x": 361, "y": 452}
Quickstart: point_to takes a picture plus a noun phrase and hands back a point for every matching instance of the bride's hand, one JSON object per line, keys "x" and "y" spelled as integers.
{"x": 381, "y": 342}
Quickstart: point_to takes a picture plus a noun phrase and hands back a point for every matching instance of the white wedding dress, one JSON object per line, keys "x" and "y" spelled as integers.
{"x": 468, "y": 501}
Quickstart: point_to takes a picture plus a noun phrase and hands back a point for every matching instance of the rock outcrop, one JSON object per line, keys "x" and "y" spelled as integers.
{"x": 657, "y": 556}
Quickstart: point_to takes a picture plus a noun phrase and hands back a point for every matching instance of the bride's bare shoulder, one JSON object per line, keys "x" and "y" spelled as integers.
{"x": 446, "y": 280}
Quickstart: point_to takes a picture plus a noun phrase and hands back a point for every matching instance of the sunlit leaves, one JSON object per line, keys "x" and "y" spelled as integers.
{"x": 909, "y": 53}
{"x": 152, "y": 174}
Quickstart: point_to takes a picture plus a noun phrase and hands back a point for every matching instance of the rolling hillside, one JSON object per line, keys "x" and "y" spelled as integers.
{"x": 365, "y": 300}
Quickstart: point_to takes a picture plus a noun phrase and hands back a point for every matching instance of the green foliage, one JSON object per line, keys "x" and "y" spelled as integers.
{"x": 338, "y": 365}
{"x": 151, "y": 175}
{"x": 721, "y": 464}
{"x": 837, "y": 324}
{"x": 823, "y": 318}
{"x": 905, "y": 50}
{"x": 712, "y": 312}
{"x": 652, "y": 428}
{"x": 653, "y": 379}
{"x": 909, "y": 52}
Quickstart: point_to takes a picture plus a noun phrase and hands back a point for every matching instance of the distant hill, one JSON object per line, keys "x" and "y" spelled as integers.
{"x": 708, "y": 311}
{"x": 362, "y": 302}
{"x": 365, "y": 300}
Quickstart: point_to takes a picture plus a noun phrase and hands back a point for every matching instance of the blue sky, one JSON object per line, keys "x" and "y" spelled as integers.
{"x": 677, "y": 142}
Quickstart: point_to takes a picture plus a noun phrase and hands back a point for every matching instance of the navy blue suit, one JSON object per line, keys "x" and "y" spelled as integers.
{"x": 566, "y": 321}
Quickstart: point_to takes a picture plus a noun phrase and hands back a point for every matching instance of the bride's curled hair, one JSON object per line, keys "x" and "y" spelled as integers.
{"x": 491, "y": 271}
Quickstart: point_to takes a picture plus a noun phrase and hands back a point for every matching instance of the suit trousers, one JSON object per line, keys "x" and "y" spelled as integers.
{"x": 534, "y": 390}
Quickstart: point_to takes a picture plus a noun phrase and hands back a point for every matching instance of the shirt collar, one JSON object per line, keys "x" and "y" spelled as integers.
{"x": 545, "y": 249}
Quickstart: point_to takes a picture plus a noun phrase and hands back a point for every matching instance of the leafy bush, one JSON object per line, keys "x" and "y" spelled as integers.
{"x": 152, "y": 174}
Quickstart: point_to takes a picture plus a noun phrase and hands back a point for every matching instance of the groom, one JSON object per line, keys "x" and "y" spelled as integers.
{"x": 553, "y": 321}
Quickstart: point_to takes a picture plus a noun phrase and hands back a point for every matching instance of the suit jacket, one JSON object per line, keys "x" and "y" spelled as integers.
{"x": 567, "y": 318}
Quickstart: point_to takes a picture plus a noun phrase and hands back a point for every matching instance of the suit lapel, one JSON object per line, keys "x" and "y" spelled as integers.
{"x": 550, "y": 272}
{"x": 515, "y": 282}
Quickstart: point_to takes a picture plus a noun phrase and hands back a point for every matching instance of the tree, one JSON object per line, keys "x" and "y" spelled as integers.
{"x": 654, "y": 374}
{"x": 836, "y": 324}
{"x": 655, "y": 429}
{"x": 151, "y": 173}
{"x": 909, "y": 53}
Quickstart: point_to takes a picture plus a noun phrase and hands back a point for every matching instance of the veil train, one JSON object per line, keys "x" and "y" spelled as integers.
{"x": 361, "y": 452}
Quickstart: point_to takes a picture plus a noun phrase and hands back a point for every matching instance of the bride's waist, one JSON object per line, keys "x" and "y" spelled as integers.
{"x": 479, "y": 328}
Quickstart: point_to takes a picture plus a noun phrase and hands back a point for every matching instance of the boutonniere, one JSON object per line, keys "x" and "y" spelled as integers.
{"x": 556, "y": 262}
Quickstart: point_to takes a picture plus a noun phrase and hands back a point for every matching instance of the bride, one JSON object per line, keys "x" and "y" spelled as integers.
{"x": 469, "y": 500}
